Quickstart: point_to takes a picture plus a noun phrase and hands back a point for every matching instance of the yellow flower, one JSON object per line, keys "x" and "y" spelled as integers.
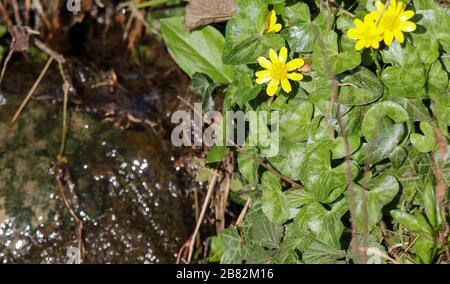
{"x": 393, "y": 21}
{"x": 367, "y": 33}
{"x": 271, "y": 23}
{"x": 277, "y": 71}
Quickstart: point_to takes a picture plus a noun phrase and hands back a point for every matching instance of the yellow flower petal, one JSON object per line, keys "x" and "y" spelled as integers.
{"x": 273, "y": 56}
{"x": 276, "y": 28}
{"x": 400, "y": 7}
{"x": 272, "y": 88}
{"x": 388, "y": 37}
{"x": 273, "y": 18}
{"x": 393, "y": 3}
{"x": 359, "y": 24}
{"x": 353, "y": 33}
{"x": 263, "y": 74}
{"x": 408, "y": 26}
{"x": 399, "y": 36}
{"x": 376, "y": 44}
{"x": 264, "y": 62}
{"x": 295, "y": 76}
{"x": 283, "y": 55}
{"x": 286, "y": 85}
{"x": 360, "y": 44}
{"x": 369, "y": 18}
{"x": 406, "y": 15}
{"x": 295, "y": 64}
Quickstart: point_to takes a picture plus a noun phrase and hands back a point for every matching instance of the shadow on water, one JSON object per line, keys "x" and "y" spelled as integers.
{"x": 133, "y": 202}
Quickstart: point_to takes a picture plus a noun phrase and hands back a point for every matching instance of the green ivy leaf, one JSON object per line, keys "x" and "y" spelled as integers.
{"x": 301, "y": 31}
{"x": 415, "y": 108}
{"x": 425, "y": 249}
{"x": 386, "y": 142}
{"x": 298, "y": 12}
{"x": 320, "y": 178}
{"x": 196, "y": 52}
{"x": 327, "y": 60}
{"x": 416, "y": 223}
{"x": 405, "y": 82}
{"x": 204, "y": 87}
{"x": 321, "y": 253}
{"x": 437, "y": 78}
{"x": 325, "y": 225}
{"x": 295, "y": 121}
{"x": 431, "y": 205}
{"x": 216, "y": 154}
{"x": 243, "y": 89}
{"x": 400, "y": 56}
{"x": 234, "y": 250}
{"x": 245, "y": 40}
{"x": 435, "y": 32}
{"x": 339, "y": 149}
{"x": 424, "y": 143}
{"x": 297, "y": 198}
{"x": 369, "y": 203}
{"x": 248, "y": 167}
{"x": 379, "y": 110}
{"x": 361, "y": 88}
{"x": 217, "y": 249}
{"x": 273, "y": 201}
{"x": 260, "y": 230}
{"x": 289, "y": 162}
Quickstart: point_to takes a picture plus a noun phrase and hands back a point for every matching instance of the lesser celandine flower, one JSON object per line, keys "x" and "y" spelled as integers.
{"x": 393, "y": 20}
{"x": 278, "y": 70}
{"x": 366, "y": 33}
{"x": 388, "y": 22}
{"x": 271, "y": 25}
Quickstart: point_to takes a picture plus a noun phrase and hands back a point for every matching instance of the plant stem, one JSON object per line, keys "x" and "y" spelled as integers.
{"x": 377, "y": 61}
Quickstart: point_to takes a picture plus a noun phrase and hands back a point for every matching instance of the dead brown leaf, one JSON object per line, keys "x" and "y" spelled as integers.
{"x": 20, "y": 38}
{"x": 203, "y": 12}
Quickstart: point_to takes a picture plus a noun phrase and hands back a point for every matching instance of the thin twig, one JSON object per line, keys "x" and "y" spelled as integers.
{"x": 211, "y": 186}
{"x": 56, "y": 55}
{"x": 5, "y": 64}
{"x": 66, "y": 87}
{"x": 80, "y": 225}
{"x": 244, "y": 211}
{"x": 16, "y": 13}
{"x": 409, "y": 247}
{"x": 30, "y": 93}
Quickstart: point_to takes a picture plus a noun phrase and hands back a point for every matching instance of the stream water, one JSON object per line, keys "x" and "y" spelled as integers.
{"x": 131, "y": 197}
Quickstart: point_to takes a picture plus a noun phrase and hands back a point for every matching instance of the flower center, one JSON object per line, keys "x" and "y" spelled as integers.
{"x": 370, "y": 34}
{"x": 278, "y": 71}
{"x": 391, "y": 20}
